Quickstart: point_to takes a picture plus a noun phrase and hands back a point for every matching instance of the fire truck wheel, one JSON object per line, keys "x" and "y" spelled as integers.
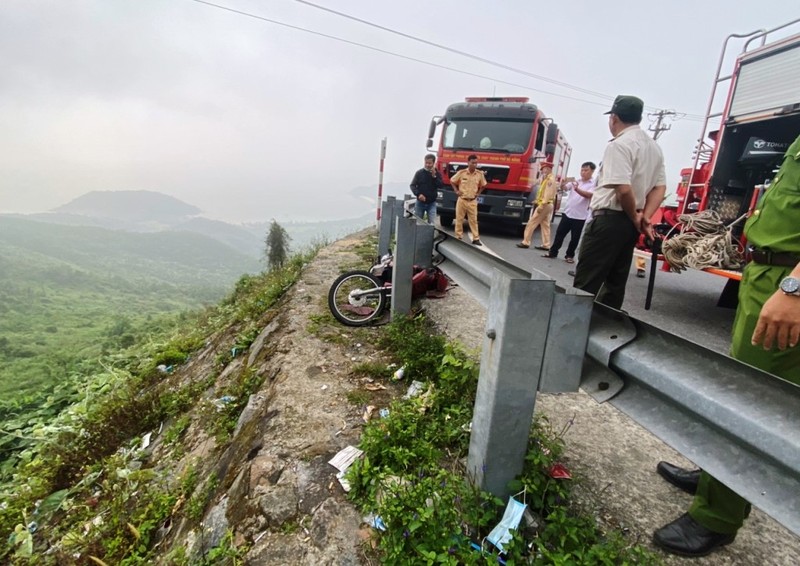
{"x": 446, "y": 219}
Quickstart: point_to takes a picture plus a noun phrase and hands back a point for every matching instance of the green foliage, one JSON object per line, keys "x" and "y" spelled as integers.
{"x": 414, "y": 342}
{"x": 409, "y": 474}
{"x": 73, "y": 458}
{"x": 277, "y": 246}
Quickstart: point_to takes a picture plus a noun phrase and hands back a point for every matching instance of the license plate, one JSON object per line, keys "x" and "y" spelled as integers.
{"x": 480, "y": 200}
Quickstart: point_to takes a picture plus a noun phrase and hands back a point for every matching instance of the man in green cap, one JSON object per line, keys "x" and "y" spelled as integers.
{"x": 766, "y": 333}
{"x": 631, "y": 185}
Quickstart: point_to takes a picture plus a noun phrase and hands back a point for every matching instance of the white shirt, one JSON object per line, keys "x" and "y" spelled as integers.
{"x": 578, "y": 206}
{"x": 631, "y": 158}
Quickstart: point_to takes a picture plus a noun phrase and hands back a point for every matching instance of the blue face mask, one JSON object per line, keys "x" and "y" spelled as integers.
{"x": 501, "y": 533}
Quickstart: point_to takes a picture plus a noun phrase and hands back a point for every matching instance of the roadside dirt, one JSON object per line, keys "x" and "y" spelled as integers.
{"x": 279, "y": 496}
{"x": 615, "y": 460}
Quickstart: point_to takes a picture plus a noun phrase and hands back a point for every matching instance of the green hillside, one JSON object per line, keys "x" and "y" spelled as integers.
{"x": 67, "y": 293}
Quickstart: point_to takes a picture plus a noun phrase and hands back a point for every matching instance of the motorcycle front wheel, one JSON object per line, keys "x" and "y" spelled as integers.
{"x": 356, "y": 298}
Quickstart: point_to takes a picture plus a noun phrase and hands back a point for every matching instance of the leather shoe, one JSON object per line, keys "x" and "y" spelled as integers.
{"x": 476, "y": 243}
{"x": 681, "y": 478}
{"x": 522, "y": 245}
{"x": 686, "y": 537}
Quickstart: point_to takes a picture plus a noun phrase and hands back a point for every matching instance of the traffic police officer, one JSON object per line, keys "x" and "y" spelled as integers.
{"x": 766, "y": 333}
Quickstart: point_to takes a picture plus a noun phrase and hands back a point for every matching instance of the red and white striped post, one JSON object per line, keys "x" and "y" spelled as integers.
{"x": 380, "y": 181}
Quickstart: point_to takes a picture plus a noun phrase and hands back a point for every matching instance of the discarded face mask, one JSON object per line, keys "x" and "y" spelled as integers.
{"x": 501, "y": 533}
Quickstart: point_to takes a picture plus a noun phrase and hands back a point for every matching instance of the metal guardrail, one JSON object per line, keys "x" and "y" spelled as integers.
{"x": 739, "y": 423}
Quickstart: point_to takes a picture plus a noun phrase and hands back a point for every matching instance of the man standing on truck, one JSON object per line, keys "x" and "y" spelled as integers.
{"x": 630, "y": 188}
{"x": 468, "y": 185}
{"x": 768, "y": 315}
{"x": 425, "y": 186}
{"x": 575, "y": 213}
{"x": 543, "y": 212}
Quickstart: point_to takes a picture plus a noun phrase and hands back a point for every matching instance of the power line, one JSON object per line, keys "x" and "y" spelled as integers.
{"x": 392, "y": 53}
{"x": 458, "y": 52}
{"x": 415, "y": 60}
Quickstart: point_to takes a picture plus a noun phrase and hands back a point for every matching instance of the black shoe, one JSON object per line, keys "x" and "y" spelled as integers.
{"x": 476, "y": 243}
{"x": 686, "y": 537}
{"x": 541, "y": 248}
{"x": 522, "y": 245}
{"x": 681, "y": 478}
{"x": 640, "y": 273}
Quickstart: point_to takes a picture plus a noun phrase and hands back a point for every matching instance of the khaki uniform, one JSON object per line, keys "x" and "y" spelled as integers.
{"x": 469, "y": 185}
{"x": 543, "y": 212}
{"x": 631, "y": 158}
{"x": 774, "y": 226}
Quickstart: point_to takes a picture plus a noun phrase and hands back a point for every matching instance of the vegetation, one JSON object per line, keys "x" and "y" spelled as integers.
{"x": 75, "y": 478}
{"x": 412, "y": 476}
{"x": 277, "y": 245}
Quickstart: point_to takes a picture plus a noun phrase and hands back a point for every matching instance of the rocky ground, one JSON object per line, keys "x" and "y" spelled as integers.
{"x": 278, "y": 494}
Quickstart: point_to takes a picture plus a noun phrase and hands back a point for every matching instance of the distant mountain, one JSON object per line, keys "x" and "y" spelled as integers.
{"x": 178, "y": 258}
{"x": 146, "y": 207}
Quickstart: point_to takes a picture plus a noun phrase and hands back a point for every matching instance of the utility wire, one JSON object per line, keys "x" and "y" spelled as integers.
{"x": 459, "y": 52}
{"x": 475, "y": 57}
{"x": 398, "y": 55}
{"x": 386, "y": 52}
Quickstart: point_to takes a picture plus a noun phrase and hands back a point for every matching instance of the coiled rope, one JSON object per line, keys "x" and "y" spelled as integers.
{"x": 704, "y": 241}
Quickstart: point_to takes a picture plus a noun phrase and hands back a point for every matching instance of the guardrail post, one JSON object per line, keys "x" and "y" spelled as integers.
{"x": 387, "y": 226}
{"x": 423, "y": 252}
{"x": 405, "y": 244}
{"x": 518, "y": 317}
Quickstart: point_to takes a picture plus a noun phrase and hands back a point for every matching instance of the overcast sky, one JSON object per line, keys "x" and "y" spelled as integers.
{"x": 251, "y": 120}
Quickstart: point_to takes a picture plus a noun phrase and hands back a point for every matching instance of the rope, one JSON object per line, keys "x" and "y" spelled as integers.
{"x": 704, "y": 241}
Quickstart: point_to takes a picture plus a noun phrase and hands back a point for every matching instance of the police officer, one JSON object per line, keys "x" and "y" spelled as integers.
{"x": 766, "y": 333}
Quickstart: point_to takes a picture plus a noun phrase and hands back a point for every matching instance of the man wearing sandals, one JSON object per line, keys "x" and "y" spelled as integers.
{"x": 630, "y": 188}
{"x": 575, "y": 213}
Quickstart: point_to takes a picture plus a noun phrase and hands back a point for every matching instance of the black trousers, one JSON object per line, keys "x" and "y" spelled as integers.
{"x": 567, "y": 225}
{"x": 605, "y": 258}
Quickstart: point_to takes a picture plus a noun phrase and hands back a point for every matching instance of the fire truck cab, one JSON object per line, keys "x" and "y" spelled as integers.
{"x": 511, "y": 137}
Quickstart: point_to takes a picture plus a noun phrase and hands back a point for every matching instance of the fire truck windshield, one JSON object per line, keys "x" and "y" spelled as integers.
{"x": 503, "y": 136}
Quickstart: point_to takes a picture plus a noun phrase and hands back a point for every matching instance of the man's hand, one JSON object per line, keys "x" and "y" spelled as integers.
{"x": 646, "y": 227}
{"x": 421, "y": 198}
{"x": 778, "y": 322}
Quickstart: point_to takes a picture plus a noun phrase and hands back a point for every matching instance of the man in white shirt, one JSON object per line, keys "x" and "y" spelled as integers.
{"x": 630, "y": 187}
{"x": 575, "y": 212}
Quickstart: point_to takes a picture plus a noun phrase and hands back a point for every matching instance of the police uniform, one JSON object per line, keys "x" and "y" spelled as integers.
{"x": 773, "y": 230}
{"x": 469, "y": 185}
{"x": 542, "y": 213}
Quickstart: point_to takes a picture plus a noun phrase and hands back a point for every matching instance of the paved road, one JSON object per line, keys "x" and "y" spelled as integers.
{"x": 683, "y": 303}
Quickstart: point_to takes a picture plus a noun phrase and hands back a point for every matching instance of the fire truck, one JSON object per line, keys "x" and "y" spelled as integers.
{"x": 741, "y": 145}
{"x": 511, "y": 138}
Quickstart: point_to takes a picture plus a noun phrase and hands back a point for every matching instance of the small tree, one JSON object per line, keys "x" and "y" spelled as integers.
{"x": 277, "y": 245}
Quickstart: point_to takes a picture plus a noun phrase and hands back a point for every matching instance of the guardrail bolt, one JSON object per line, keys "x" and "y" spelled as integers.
{"x": 491, "y": 334}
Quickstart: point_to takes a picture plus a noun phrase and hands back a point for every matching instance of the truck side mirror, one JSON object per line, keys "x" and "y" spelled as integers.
{"x": 549, "y": 148}
{"x": 551, "y": 138}
{"x": 429, "y": 143}
{"x": 432, "y": 129}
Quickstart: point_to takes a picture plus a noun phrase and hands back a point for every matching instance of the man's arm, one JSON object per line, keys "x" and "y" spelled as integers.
{"x": 482, "y": 183}
{"x": 779, "y": 320}
{"x": 455, "y": 182}
{"x": 415, "y": 184}
{"x": 580, "y": 191}
{"x": 651, "y": 203}
{"x": 627, "y": 201}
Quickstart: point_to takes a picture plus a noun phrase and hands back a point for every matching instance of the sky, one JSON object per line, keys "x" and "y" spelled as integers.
{"x": 250, "y": 120}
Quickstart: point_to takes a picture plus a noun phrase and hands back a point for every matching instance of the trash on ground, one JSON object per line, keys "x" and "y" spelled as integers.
{"x": 414, "y": 389}
{"x": 399, "y": 374}
{"x": 368, "y": 410}
{"x": 559, "y": 472}
{"x": 374, "y": 387}
{"x": 384, "y": 413}
{"x": 146, "y": 440}
{"x": 374, "y": 521}
{"x": 342, "y": 461}
{"x": 512, "y": 516}
{"x": 222, "y": 401}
